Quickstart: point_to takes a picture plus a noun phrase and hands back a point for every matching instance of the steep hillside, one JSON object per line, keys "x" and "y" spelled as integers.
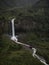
{"x": 31, "y": 26}
{"x": 16, "y": 3}
{"x": 42, "y": 3}
{"x": 14, "y": 54}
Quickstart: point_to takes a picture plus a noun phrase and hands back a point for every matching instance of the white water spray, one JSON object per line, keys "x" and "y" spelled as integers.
{"x": 13, "y": 31}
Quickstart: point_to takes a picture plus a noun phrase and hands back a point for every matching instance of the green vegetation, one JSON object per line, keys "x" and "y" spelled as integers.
{"x": 32, "y": 27}
{"x": 14, "y": 54}
{"x": 40, "y": 44}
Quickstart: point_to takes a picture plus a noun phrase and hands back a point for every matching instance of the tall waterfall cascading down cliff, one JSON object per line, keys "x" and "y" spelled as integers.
{"x": 14, "y": 38}
{"x": 13, "y": 32}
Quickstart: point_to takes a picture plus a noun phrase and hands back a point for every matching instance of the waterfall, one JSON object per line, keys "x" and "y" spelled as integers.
{"x": 14, "y": 38}
{"x": 13, "y": 31}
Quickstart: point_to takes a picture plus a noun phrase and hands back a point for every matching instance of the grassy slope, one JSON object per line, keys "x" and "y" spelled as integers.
{"x": 13, "y": 54}
{"x": 8, "y": 52}
{"x": 40, "y": 44}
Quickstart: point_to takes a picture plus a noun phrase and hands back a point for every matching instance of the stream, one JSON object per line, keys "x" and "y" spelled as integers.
{"x": 14, "y": 38}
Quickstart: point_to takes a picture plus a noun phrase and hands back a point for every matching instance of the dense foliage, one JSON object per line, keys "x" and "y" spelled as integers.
{"x": 14, "y": 54}
{"x": 32, "y": 27}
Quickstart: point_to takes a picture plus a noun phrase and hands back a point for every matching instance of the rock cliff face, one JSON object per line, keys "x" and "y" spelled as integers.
{"x": 38, "y": 19}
